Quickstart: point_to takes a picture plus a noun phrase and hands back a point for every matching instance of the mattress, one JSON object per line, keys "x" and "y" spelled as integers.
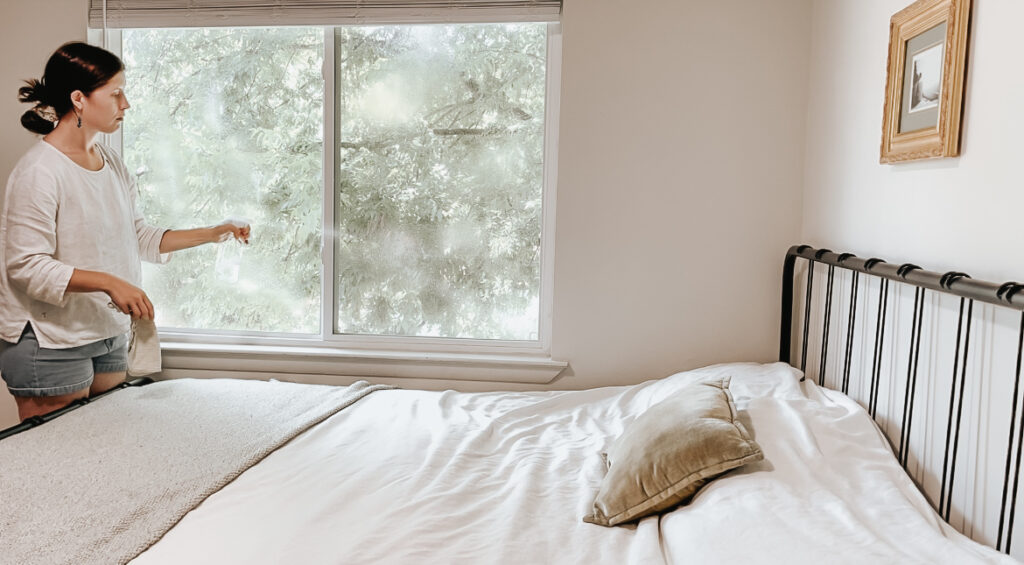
{"x": 407, "y": 476}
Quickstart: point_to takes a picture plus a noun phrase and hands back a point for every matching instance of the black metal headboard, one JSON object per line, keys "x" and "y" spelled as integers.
{"x": 841, "y": 332}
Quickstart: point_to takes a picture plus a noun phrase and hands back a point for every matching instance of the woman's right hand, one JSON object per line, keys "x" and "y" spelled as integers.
{"x": 129, "y": 299}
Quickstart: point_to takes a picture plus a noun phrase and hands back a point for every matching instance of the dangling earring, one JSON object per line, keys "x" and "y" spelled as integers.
{"x": 79, "y": 119}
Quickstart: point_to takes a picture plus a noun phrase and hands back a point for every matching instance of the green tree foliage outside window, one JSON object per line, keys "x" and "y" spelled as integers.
{"x": 438, "y": 152}
{"x": 228, "y": 122}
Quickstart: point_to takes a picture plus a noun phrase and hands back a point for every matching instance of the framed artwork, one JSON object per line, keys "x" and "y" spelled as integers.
{"x": 925, "y": 82}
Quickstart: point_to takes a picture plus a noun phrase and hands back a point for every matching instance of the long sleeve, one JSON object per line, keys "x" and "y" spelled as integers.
{"x": 149, "y": 236}
{"x": 32, "y": 239}
{"x": 57, "y": 217}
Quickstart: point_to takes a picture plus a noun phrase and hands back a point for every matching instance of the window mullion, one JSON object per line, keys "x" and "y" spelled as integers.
{"x": 329, "y": 164}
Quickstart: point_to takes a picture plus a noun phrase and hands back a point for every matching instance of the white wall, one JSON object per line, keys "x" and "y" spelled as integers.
{"x": 678, "y": 192}
{"x": 679, "y": 186}
{"x": 32, "y": 30}
{"x": 960, "y": 213}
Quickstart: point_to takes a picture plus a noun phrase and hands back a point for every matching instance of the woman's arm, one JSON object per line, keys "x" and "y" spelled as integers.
{"x": 176, "y": 240}
{"x": 127, "y": 297}
{"x": 133, "y": 300}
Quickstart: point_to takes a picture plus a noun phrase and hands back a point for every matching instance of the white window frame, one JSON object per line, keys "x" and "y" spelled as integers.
{"x": 328, "y": 356}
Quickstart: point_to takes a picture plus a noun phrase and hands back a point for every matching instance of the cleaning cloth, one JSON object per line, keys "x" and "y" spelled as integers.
{"x": 143, "y": 348}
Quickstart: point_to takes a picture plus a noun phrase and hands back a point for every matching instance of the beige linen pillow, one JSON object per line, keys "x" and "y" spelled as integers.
{"x": 667, "y": 454}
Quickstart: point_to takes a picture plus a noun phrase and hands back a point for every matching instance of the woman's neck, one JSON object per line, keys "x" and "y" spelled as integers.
{"x": 78, "y": 143}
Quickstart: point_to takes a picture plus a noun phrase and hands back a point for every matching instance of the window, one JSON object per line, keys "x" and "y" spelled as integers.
{"x": 432, "y": 220}
{"x": 228, "y": 122}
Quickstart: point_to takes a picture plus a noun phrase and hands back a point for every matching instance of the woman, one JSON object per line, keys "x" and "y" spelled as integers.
{"x": 71, "y": 239}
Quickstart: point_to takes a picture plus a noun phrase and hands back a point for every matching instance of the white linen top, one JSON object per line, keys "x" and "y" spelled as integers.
{"x": 58, "y": 216}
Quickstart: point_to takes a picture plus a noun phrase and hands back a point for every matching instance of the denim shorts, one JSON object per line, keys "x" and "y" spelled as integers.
{"x": 30, "y": 370}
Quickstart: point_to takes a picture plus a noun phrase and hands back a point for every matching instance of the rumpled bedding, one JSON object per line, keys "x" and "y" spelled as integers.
{"x": 414, "y": 477}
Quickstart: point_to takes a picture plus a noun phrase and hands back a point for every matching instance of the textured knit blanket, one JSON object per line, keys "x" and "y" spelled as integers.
{"x": 102, "y": 483}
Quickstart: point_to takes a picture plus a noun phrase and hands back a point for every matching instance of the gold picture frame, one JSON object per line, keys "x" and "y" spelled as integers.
{"x": 924, "y": 85}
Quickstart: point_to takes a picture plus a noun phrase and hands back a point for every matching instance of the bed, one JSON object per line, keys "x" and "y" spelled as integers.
{"x": 372, "y": 474}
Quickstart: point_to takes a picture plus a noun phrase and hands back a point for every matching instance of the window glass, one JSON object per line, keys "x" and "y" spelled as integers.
{"x": 228, "y": 123}
{"x": 438, "y": 167}
{"x": 438, "y": 181}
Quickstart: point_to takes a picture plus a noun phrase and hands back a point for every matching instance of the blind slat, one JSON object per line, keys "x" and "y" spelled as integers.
{"x": 212, "y": 13}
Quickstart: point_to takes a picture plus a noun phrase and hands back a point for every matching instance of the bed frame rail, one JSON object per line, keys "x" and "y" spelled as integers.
{"x": 43, "y": 418}
{"x": 969, "y": 290}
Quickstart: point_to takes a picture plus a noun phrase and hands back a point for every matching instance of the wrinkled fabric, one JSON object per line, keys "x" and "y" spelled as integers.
{"x": 57, "y": 217}
{"x": 411, "y": 477}
{"x": 668, "y": 453}
{"x": 144, "y": 349}
{"x": 101, "y": 483}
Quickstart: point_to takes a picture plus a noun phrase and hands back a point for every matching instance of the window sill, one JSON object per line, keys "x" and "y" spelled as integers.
{"x": 182, "y": 358}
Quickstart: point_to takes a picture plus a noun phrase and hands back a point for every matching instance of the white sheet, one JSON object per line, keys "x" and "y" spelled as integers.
{"x": 444, "y": 477}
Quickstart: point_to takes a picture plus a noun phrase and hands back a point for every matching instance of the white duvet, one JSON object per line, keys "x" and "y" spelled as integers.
{"x": 444, "y": 477}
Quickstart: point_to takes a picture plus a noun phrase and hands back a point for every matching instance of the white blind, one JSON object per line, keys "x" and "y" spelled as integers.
{"x": 210, "y": 13}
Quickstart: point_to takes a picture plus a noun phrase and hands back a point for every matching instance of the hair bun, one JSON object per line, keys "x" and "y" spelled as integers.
{"x": 33, "y": 91}
{"x": 34, "y": 121}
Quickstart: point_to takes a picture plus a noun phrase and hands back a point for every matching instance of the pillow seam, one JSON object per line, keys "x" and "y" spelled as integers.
{"x": 734, "y": 419}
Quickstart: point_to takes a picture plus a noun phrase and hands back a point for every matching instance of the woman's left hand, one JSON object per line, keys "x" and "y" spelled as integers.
{"x": 232, "y": 228}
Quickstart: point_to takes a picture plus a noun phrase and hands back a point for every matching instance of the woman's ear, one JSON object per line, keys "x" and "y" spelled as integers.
{"x": 76, "y": 99}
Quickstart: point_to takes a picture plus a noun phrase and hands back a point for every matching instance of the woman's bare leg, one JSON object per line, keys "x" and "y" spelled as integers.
{"x": 103, "y": 382}
{"x": 29, "y": 406}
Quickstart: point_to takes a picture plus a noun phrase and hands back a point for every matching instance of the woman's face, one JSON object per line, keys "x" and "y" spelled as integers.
{"x": 103, "y": 109}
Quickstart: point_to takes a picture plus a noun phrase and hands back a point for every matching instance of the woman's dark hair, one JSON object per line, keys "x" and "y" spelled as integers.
{"x": 74, "y": 66}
